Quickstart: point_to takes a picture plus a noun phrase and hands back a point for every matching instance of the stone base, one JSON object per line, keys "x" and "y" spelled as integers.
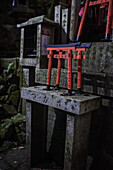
{"x": 60, "y": 135}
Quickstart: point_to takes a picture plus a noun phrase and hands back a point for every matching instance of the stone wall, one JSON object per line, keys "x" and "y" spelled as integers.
{"x": 97, "y": 79}
{"x": 12, "y": 122}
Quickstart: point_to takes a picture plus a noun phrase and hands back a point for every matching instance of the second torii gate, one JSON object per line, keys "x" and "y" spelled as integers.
{"x": 109, "y": 24}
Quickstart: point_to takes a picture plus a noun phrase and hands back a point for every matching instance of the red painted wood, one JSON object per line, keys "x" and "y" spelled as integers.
{"x": 79, "y": 71}
{"x": 49, "y": 67}
{"x": 69, "y": 70}
{"x": 83, "y": 19}
{"x": 109, "y": 17}
{"x": 98, "y": 2}
{"x": 58, "y": 71}
{"x": 61, "y": 48}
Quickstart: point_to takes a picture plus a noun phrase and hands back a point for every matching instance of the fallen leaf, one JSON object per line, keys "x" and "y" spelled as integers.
{"x": 21, "y": 147}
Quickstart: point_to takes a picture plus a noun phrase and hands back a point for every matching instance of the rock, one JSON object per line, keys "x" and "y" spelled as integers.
{"x": 14, "y": 128}
{"x": 14, "y": 98}
{"x": 12, "y": 88}
{"x": 19, "y": 121}
{"x": 10, "y": 109}
{"x": 2, "y": 89}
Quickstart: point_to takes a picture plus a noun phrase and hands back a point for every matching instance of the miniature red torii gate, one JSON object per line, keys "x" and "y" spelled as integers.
{"x": 70, "y": 48}
{"x": 102, "y": 4}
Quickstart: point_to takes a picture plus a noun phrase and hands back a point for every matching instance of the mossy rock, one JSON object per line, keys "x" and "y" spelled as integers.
{"x": 6, "y": 130}
{"x": 13, "y": 129}
{"x": 10, "y": 109}
{"x": 14, "y": 98}
{"x": 12, "y": 88}
{"x": 17, "y": 119}
{"x": 19, "y": 122}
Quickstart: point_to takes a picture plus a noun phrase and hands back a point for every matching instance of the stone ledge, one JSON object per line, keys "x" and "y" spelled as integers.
{"x": 76, "y": 104}
{"x": 29, "y": 62}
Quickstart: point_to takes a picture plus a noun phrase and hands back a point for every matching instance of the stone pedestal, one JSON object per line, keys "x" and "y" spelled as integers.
{"x": 69, "y": 130}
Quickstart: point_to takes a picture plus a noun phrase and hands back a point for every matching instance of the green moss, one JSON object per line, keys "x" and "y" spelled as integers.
{"x": 24, "y": 81}
{"x": 14, "y": 98}
{"x": 4, "y": 127}
{"x": 9, "y": 123}
{"x": 18, "y": 118}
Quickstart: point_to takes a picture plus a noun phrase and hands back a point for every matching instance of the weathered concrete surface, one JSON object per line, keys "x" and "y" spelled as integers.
{"x": 77, "y": 104}
{"x": 99, "y": 58}
{"x": 28, "y": 79}
{"x": 57, "y": 14}
{"x": 41, "y": 77}
{"x": 22, "y": 43}
{"x": 65, "y": 23}
{"x": 25, "y": 81}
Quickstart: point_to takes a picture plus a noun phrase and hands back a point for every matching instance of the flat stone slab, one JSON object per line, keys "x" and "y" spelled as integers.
{"x": 37, "y": 20}
{"x": 77, "y": 104}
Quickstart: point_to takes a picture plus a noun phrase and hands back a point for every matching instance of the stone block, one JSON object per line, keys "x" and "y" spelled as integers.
{"x": 78, "y": 104}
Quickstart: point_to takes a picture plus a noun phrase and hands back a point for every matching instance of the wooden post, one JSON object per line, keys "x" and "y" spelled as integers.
{"x": 49, "y": 69}
{"x": 69, "y": 72}
{"x": 108, "y": 26}
{"x": 112, "y": 24}
{"x": 79, "y": 72}
{"x": 58, "y": 70}
{"x": 83, "y": 20}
